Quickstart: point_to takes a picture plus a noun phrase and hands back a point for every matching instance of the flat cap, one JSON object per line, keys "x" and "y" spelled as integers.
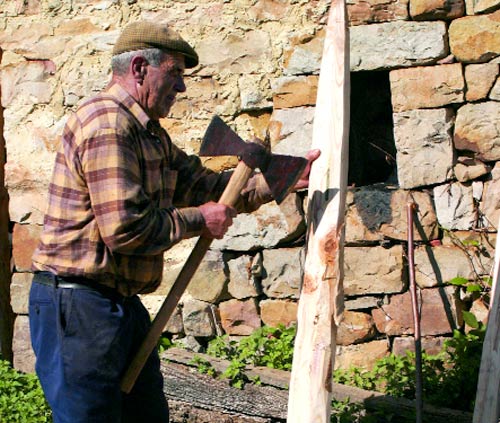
{"x": 147, "y": 34}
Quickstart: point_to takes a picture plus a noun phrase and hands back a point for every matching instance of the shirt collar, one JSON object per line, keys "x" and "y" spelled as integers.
{"x": 123, "y": 97}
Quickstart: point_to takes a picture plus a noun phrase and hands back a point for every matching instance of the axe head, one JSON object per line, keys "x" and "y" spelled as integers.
{"x": 281, "y": 172}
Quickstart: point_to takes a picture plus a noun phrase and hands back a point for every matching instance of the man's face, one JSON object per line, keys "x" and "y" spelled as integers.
{"x": 162, "y": 83}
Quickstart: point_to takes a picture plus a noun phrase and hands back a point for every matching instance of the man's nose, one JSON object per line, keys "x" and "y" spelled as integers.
{"x": 180, "y": 87}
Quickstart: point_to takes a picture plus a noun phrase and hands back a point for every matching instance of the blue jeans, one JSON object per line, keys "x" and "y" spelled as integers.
{"x": 83, "y": 342}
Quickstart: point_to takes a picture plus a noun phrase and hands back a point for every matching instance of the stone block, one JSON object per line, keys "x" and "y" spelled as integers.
{"x": 397, "y": 44}
{"x": 25, "y": 239}
{"x": 294, "y": 91}
{"x": 376, "y": 11}
{"x": 363, "y": 356}
{"x": 303, "y": 56}
{"x": 427, "y": 87}
{"x": 239, "y": 317}
{"x": 282, "y": 272}
{"x": 267, "y": 227}
{"x": 481, "y": 6}
{"x": 355, "y": 328}
{"x": 424, "y": 146}
{"x": 242, "y": 278}
{"x": 490, "y": 204}
{"x": 20, "y": 291}
{"x": 475, "y": 39}
{"x": 441, "y": 313}
{"x": 477, "y": 129}
{"x": 479, "y": 79}
{"x": 455, "y": 206}
{"x": 432, "y": 346}
{"x": 290, "y": 130}
{"x": 373, "y": 270}
{"x": 278, "y": 312}
{"x": 209, "y": 283}
{"x": 24, "y": 357}
{"x": 361, "y": 303}
{"x": 421, "y": 10}
{"x": 376, "y": 212}
{"x": 467, "y": 169}
{"x": 438, "y": 265}
{"x": 198, "y": 317}
{"x": 495, "y": 91}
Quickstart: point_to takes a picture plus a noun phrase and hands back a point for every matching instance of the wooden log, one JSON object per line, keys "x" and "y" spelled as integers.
{"x": 268, "y": 402}
{"x": 6, "y": 313}
{"x": 321, "y": 299}
{"x": 487, "y": 405}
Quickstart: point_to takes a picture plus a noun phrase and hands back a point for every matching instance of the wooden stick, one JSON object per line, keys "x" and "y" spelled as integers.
{"x": 410, "y": 207}
{"x": 487, "y": 407}
{"x": 321, "y": 298}
{"x": 229, "y": 197}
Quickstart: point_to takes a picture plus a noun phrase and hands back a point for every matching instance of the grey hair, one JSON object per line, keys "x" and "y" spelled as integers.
{"x": 121, "y": 62}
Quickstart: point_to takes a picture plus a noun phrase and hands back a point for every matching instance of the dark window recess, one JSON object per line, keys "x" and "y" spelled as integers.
{"x": 372, "y": 153}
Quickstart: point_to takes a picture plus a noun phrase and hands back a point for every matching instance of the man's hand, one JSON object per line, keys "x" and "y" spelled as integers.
{"x": 303, "y": 181}
{"x": 218, "y": 218}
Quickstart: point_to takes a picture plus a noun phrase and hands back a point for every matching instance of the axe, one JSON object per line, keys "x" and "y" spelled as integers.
{"x": 281, "y": 174}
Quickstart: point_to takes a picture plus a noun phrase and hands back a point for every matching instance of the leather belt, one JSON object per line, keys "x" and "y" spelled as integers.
{"x": 49, "y": 279}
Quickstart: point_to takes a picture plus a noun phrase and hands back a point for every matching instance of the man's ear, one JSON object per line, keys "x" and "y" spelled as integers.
{"x": 138, "y": 68}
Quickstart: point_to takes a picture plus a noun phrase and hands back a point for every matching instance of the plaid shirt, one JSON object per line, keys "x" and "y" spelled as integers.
{"x": 121, "y": 194}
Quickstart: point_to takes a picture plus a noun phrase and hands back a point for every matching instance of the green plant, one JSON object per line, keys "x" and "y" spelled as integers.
{"x": 164, "y": 343}
{"x": 21, "y": 397}
{"x": 203, "y": 366}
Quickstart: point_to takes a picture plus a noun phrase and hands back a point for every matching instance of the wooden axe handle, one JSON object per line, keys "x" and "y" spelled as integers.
{"x": 229, "y": 197}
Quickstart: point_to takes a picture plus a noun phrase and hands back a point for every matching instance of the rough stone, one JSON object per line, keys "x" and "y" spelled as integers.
{"x": 198, "y": 318}
{"x": 24, "y": 357}
{"x": 424, "y": 146}
{"x": 376, "y": 11}
{"x": 282, "y": 272}
{"x": 239, "y": 317}
{"x": 242, "y": 280}
{"x": 363, "y": 356}
{"x": 421, "y": 10}
{"x": 375, "y": 213}
{"x": 397, "y": 44}
{"x": 474, "y": 39}
{"x": 481, "y": 6}
{"x": 490, "y": 205}
{"x": 24, "y": 242}
{"x": 467, "y": 169}
{"x": 254, "y": 93}
{"x": 477, "y": 129}
{"x": 361, "y": 303}
{"x": 479, "y": 79}
{"x": 304, "y": 55}
{"x": 455, "y": 206}
{"x": 267, "y": 227}
{"x": 495, "y": 91}
{"x": 426, "y": 87}
{"x": 438, "y": 265}
{"x": 432, "y": 346}
{"x": 355, "y": 328}
{"x": 481, "y": 311}
{"x": 373, "y": 270}
{"x": 210, "y": 280}
{"x": 440, "y": 313}
{"x": 153, "y": 302}
{"x": 295, "y": 91}
{"x": 19, "y": 292}
{"x": 290, "y": 130}
{"x": 278, "y": 312}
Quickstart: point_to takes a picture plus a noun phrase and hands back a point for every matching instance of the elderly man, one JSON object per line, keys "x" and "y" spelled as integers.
{"x": 121, "y": 194}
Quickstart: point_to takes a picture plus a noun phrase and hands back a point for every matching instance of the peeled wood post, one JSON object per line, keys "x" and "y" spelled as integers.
{"x": 410, "y": 208}
{"x": 487, "y": 405}
{"x": 6, "y": 313}
{"x": 321, "y": 298}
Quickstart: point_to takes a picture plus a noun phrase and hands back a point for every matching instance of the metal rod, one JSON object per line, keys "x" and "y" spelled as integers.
{"x": 410, "y": 207}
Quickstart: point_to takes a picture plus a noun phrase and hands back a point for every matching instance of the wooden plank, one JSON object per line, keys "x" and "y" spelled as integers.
{"x": 321, "y": 299}
{"x": 487, "y": 407}
{"x": 269, "y": 401}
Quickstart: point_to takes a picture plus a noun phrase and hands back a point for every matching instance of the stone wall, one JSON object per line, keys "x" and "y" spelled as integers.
{"x": 259, "y": 70}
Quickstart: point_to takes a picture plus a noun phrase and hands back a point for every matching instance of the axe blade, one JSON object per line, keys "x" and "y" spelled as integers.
{"x": 281, "y": 172}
